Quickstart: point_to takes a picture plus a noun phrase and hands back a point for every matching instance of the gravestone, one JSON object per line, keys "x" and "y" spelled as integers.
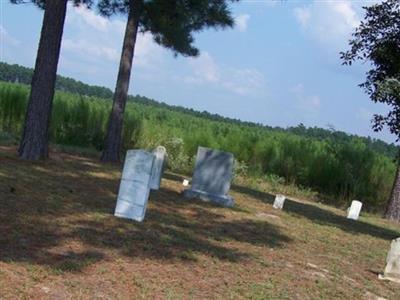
{"x": 134, "y": 188}
{"x": 160, "y": 154}
{"x": 354, "y": 210}
{"x": 392, "y": 269}
{"x": 212, "y": 177}
{"x": 279, "y": 201}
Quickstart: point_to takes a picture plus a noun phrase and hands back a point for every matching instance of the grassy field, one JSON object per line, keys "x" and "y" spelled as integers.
{"x": 59, "y": 240}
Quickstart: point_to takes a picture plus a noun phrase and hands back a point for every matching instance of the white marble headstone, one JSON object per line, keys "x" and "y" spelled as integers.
{"x": 158, "y": 167}
{"x": 279, "y": 201}
{"x": 134, "y": 188}
{"x": 354, "y": 210}
{"x": 392, "y": 269}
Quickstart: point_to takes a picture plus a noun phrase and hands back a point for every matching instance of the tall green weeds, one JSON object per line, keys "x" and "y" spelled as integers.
{"x": 341, "y": 169}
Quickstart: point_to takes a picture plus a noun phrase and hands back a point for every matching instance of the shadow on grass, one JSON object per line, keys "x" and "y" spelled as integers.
{"x": 321, "y": 216}
{"x": 54, "y": 204}
{"x": 167, "y": 233}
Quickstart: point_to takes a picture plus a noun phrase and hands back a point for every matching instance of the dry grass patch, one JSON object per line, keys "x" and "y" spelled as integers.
{"x": 60, "y": 240}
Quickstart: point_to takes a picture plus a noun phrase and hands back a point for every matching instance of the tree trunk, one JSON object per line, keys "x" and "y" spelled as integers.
{"x": 112, "y": 147}
{"x": 393, "y": 207}
{"x": 35, "y": 137}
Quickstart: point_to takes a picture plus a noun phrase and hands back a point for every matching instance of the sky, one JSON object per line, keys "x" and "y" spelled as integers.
{"x": 280, "y": 64}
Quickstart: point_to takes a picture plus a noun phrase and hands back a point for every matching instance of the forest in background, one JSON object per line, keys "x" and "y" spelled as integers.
{"x": 335, "y": 164}
{"x": 19, "y": 74}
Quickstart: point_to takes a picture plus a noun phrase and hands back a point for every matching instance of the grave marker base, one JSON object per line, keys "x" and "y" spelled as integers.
{"x": 223, "y": 200}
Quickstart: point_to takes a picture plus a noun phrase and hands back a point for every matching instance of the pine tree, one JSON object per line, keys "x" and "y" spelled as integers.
{"x": 172, "y": 24}
{"x": 35, "y": 137}
{"x": 377, "y": 40}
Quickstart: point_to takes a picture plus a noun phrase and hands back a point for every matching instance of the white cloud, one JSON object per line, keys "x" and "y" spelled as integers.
{"x": 241, "y": 22}
{"x": 270, "y": 3}
{"x": 82, "y": 17}
{"x": 329, "y": 22}
{"x": 309, "y": 103}
{"x": 147, "y": 53}
{"x": 205, "y": 69}
{"x": 90, "y": 50}
{"x": 303, "y": 15}
{"x": 243, "y": 81}
{"x": 8, "y": 44}
{"x": 347, "y": 13}
{"x": 239, "y": 81}
{"x": 6, "y": 38}
{"x": 95, "y": 42}
{"x": 364, "y": 114}
{"x": 94, "y": 39}
{"x": 90, "y": 18}
{"x": 313, "y": 102}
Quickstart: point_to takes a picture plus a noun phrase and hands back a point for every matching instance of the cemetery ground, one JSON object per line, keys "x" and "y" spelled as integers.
{"x": 60, "y": 240}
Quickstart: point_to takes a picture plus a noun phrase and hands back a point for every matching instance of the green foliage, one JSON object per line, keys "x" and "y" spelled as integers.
{"x": 13, "y": 73}
{"x": 178, "y": 159}
{"x": 76, "y": 120}
{"x": 13, "y": 102}
{"x": 20, "y": 74}
{"x": 377, "y": 41}
{"x": 339, "y": 168}
{"x": 240, "y": 169}
{"x": 172, "y": 23}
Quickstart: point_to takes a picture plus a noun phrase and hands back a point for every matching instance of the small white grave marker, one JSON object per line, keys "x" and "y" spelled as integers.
{"x": 185, "y": 182}
{"x": 354, "y": 210}
{"x": 279, "y": 201}
{"x": 392, "y": 269}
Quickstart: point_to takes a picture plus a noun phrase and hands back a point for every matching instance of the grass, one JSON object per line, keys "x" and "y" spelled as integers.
{"x": 59, "y": 239}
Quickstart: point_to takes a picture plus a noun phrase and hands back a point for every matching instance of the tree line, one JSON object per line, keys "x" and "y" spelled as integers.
{"x": 172, "y": 25}
{"x": 19, "y": 74}
{"x": 339, "y": 169}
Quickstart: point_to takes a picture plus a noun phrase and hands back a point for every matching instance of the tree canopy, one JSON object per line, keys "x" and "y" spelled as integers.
{"x": 35, "y": 136}
{"x": 377, "y": 40}
{"x": 172, "y": 23}
{"x": 23, "y": 75}
{"x": 42, "y": 3}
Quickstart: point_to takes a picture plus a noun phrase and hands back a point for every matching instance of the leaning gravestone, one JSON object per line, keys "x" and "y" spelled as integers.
{"x": 158, "y": 167}
{"x": 212, "y": 177}
{"x": 354, "y": 210}
{"x": 392, "y": 269}
{"x": 279, "y": 201}
{"x": 134, "y": 188}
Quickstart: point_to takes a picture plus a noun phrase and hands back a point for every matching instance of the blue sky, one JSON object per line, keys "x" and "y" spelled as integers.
{"x": 278, "y": 66}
